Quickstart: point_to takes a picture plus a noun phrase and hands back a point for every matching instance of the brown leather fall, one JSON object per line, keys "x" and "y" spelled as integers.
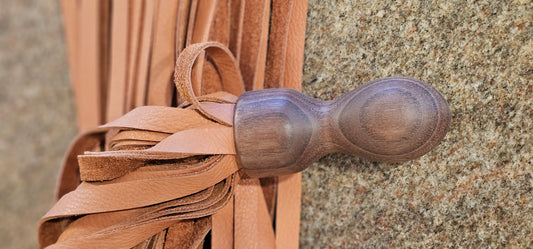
{"x": 164, "y": 177}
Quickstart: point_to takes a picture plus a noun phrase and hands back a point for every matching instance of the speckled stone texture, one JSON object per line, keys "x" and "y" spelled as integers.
{"x": 475, "y": 190}
{"x": 37, "y": 118}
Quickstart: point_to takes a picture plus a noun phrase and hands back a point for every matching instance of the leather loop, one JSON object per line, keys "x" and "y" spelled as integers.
{"x": 226, "y": 65}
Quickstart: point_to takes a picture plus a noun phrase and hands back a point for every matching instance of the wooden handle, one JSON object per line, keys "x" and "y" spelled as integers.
{"x": 282, "y": 131}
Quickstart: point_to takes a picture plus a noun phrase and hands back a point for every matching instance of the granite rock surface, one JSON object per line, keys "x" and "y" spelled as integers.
{"x": 37, "y": 118}
{"x": 475, "y": 190}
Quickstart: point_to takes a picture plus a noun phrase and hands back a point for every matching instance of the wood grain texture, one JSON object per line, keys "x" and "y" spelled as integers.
{"x": 282, "y": 131}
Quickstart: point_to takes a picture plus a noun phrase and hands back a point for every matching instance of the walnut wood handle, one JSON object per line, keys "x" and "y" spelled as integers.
{"x": 282, "y": 131}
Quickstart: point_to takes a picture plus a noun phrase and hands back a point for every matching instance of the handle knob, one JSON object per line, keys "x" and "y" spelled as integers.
{"x": 282, "y": 131}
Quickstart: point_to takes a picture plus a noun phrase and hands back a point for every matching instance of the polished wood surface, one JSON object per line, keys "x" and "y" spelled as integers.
{"x": 281, "y": 131}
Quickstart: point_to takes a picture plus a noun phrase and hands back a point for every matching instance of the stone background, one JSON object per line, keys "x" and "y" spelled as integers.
{"x": 37, "y": 118}
{"x": 475, "y": 190}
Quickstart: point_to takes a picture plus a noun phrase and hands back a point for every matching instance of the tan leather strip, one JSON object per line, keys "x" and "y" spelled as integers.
{"x": 203, "y": 22}
{"x": 90, "y": 224}
{"x": 191, "y": 22}
{"x": 135, "y": 29}
{"x": 277, "y": 45}
{"x": 218, "y": 32}
{"x": 129, "y": 237}
{"x": 270, "y": 189}
{"x": 108, "y": 165}
{"x": 46, "y": 236}
{"x": 159, "y": 118}
{"x": 105, "y": 54}
{"x": 158, "y": 213}
{"x": 182, "y": 21}
{"x": 252, "y": 228}
{"x": 222, "y": 231}
{"x": 295, "y": 46}
{"x": 129, "y": 227}
{"x": 128, "y": 135}
{"x": 254, "y": 42}
{"x": 127, "y": 144}
{"x": 219, "y": 196}
{"x": 71, "y": 22}
{"x": 155, "y": 242}
{"x": 223, "y": 112}
{"x": 219, "y": 97}
{"x": 179, "y": 234}
{"x": 236, "y": 23}
{"x": 193, "y": 141}
{"x": 159, "y": 240}
{"x": 87, "y": 85}
{"x": 151, "y": 12}
{"x": 259, "y": 77}
{"x": 160, "y": 87}
{"x": 94, "y": 197}
{"x": 118, "y": 60}
{"x": 201, "y": 228}
{"x": 211, "y": 81}
{"x": 220, "y": 28}
{"x": 288, "y": 211}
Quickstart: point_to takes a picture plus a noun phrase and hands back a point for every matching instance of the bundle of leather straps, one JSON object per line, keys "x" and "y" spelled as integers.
{"x": 154, "y": 165}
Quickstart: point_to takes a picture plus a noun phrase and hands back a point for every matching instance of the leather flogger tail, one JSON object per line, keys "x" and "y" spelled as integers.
{"x": 122, "y": 58}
